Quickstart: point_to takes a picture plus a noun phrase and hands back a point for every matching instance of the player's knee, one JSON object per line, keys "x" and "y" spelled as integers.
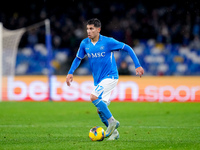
{"x": 93, "y": 97}
{"x": 98, "y": 111}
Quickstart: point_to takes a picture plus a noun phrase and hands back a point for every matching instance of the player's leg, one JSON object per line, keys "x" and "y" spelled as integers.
{"x": 115, "y": 134}
{"x": 100, "y": 98}
{"x": 103, "y": 119}
{"x": 101, "y": 116}
{"x": 112, "y": 123}
{"x": 101, "y": 106}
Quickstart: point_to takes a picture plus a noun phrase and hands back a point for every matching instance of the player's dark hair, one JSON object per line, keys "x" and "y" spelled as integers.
{"x": 96, "y": 22}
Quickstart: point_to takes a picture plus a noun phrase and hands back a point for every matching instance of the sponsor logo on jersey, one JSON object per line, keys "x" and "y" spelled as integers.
{"x": 96, "y": 55}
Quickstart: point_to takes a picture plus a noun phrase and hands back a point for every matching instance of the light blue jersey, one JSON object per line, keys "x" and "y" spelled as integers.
{"x": 101, "y": 57}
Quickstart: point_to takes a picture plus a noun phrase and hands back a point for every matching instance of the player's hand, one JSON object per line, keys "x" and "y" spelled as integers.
{"x": 139, "y": 71}
{"x": 69, "y": 79}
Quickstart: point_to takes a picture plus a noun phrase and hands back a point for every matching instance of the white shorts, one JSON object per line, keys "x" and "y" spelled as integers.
{"x": 104, "y": 88}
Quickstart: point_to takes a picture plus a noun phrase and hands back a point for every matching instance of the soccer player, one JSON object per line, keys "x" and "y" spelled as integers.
{"x": 99, "y": 50}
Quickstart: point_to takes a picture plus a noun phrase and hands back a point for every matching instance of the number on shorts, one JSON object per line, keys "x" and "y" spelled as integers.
{"x": 99, "y": 88}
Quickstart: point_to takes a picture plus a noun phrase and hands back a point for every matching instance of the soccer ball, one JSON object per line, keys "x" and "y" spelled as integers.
{"x": 97, "y": 133}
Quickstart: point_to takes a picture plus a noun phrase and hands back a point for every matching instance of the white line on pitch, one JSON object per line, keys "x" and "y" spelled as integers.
{"x": 67, "y": 126}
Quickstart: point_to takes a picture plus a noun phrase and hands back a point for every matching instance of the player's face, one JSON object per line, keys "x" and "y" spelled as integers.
{"x": 92, "y": 31}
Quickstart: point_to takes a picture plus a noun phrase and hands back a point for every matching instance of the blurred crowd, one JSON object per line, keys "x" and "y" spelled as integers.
{"x": 170, "y": 30}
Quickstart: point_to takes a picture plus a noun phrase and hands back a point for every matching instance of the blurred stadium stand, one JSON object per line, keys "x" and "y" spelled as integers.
{"x": 165, "y": 36}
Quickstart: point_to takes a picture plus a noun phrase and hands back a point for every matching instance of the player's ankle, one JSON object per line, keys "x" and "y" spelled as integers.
{"x": 111, "y": 119}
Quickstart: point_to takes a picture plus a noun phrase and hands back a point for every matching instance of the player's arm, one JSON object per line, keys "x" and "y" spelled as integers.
{"x": 139, "y": 70}
{"x": 74, "y": 66}
{"x": 116, "y": 45}
{"x": 76, "y": 62}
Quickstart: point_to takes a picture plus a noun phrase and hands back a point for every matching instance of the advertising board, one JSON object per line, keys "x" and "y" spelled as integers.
{"x": 129, "y": 88}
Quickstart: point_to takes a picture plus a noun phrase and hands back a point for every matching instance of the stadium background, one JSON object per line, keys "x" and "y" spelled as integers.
{"x": 165, "y": 36}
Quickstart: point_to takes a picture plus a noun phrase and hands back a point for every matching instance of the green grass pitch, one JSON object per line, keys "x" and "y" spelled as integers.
{"x": 65, "y": 125}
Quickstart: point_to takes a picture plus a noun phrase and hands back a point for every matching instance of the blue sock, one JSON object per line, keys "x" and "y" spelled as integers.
{"x": 103, "y": 119}
{"x": 103, "y": 108}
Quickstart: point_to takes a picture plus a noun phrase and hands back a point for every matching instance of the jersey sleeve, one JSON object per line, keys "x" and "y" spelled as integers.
{"x": 115, "y": 45}
{"x": 133, "y": 55}
{"x": 81, "y": 51}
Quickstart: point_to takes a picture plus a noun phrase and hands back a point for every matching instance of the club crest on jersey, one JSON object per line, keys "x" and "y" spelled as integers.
{"x": 102, "y": 47}
{"x": 96, "y": 55}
